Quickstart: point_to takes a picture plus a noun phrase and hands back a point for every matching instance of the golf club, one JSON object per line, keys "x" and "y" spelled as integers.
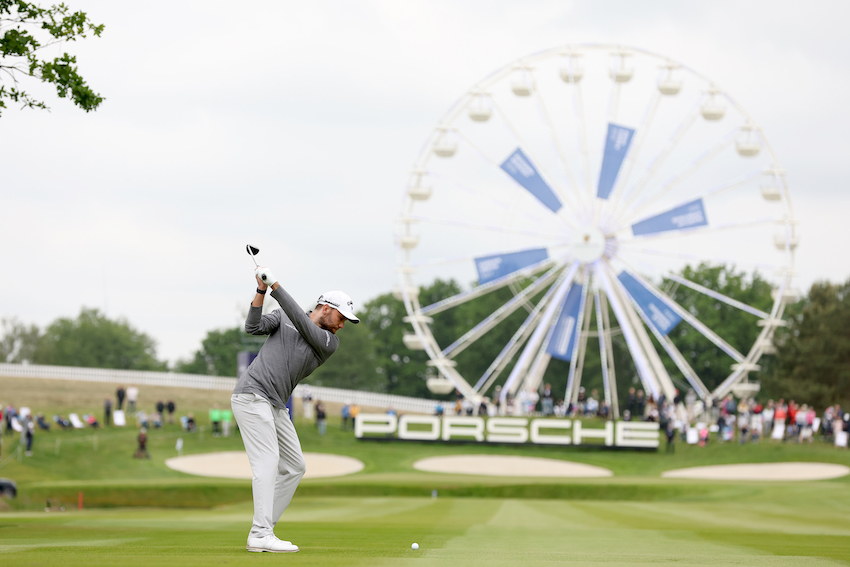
{"x": 252, "y": 250}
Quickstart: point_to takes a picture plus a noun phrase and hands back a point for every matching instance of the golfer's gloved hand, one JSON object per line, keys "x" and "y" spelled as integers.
{"x": 265, "y": 275}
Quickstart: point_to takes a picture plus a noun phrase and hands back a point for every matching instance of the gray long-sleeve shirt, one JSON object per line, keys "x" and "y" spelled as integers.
{"x": 295, "y": 348}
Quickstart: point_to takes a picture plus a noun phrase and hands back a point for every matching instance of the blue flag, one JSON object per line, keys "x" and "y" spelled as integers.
{"x": 656, "y": 309}
{"x": 617, "y": 143}
{"x": 523, "y": 171}
{"x": 563, "y": 339}
{"x": 686, "y": 216}
{"x": 494, "y": 267}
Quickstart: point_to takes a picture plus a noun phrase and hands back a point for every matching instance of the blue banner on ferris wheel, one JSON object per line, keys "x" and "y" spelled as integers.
{"x": 656, "y": 309}
{"x": 616, "y": 145}
{"x": 498, "y": 265}
{"x": 523, "y": 171}
{"x": 563, "y": 338}
{"x": 685, "y": 216}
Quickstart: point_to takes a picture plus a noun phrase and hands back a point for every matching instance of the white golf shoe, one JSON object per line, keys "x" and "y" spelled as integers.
{"x": 271, "y": 544}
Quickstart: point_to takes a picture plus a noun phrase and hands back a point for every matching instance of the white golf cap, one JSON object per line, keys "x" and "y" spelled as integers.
{"x": 341, "y": 302}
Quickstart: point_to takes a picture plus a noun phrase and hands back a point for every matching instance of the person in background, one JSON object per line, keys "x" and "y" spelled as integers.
{"x": 346, "y": 414}
{"x": 321, "y": 418}
{"x": 226, "y": 421}
{"x": 29, "y": 432}
{"x": 355, "y": 409}
{"x": 42, "y": 423}
{"x": 170, "y": 407}
{"x": 548, "y": 400}
{"x": 756, "y": 424}
{"x": 670, "y": 432}
{"x": 780, "y": 413}
{"x": 767, "y": 418}
{"x": 142, "y": 450}
{"x": 119, "y": 395}
{"x": 160, "y": 407}
{"x": 132, "y": 398}
{"x": 215, "y": 420}
{"x": 107, "y": 412}
{"x": 307, "y": 402}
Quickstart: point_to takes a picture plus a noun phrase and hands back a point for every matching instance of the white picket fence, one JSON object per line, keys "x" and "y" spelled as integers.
{"x": 140, "y": 378}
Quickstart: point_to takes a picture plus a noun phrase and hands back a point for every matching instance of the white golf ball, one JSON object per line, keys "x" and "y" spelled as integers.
{"x": 414, "y": 546}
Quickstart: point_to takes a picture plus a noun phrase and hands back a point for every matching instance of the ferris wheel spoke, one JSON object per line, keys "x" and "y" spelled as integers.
{"x": 488, "y": 287}
{"x": 687, "y": 171}
{"x": 603, "y": 348}
{"x": 718, "y": 296}
{"x": 488, "y": 198}
{"x": 500, "y": 314}
{"x": 684, "y": 314}
{"x": 608, "y": 334}
{"x": 694, "y": 257}
{"x": 650, "y": 231}
{"x": 508, "y": 352}
{"x": 664, "y": 339}
{"x": 472, "y": 258}
{"x": 533, "y": 343}
{"x": 633, "y": 308}
{"x": 638, "y": 355}
{"x": 485, "y": 227}
{"x": 532, "y": 164}
{"x": 541, "y": 361}
{"x": 627, "y": 218}
{"x": 582, "y": 324}
{"x": 656, "y": 163}
{"x": 578, "y": 103}
{"x": 632, "y": 156}
{"x": 553, "y": 133}
{"x": 519, "y": 337}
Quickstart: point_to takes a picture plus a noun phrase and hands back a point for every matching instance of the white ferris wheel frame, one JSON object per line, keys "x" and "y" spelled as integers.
{"x": 556, "y": 274}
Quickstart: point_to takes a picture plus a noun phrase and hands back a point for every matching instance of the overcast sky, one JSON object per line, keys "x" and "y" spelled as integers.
{"x": 294, "y": 125}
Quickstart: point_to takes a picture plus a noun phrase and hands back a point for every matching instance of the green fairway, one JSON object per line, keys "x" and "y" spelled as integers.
{"x": 450, "y": 531}
{"x": 141, "y": 513}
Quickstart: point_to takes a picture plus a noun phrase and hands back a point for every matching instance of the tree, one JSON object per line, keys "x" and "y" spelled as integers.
{"x": 26, "y": 30}
{"x": 354, "y": 365}
{"x": 813, "y": 353}
{"x": 218, "y": 353}
{"x": 737, "y": 327}
{"x": 19, "y": 341}
{"x": 94, "y": 341}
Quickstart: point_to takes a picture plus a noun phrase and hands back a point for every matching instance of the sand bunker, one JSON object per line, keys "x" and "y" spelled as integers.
{"x": 762, "y": 471}
{"x": 234, "y": 464}
{"x": 493, "y": 465}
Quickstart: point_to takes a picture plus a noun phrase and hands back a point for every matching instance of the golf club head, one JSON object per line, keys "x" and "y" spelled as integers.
{"x": 252, "y": 251}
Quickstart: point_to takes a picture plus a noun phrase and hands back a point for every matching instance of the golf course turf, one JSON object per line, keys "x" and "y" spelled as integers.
{"x": 141, "y": 513}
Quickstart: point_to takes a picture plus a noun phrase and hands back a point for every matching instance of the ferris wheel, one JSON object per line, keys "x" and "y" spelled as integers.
{"x": 579, "y": 179}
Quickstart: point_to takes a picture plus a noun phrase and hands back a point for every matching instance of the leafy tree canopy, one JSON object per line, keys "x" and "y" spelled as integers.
{"x": 737, "y": 327}
{"x": 813, "y": 353}
{"x": 218, "y": 353}
{"x": 26, "y": 30}
{"x": 18, "y": 342}
{"x": 91, "y": 340}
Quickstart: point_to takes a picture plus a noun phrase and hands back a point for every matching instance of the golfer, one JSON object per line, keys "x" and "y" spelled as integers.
{"x": 298, "y": 343}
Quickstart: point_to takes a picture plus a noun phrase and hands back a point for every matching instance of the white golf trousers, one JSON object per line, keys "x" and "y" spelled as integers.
{"x": 274, "y": 452}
